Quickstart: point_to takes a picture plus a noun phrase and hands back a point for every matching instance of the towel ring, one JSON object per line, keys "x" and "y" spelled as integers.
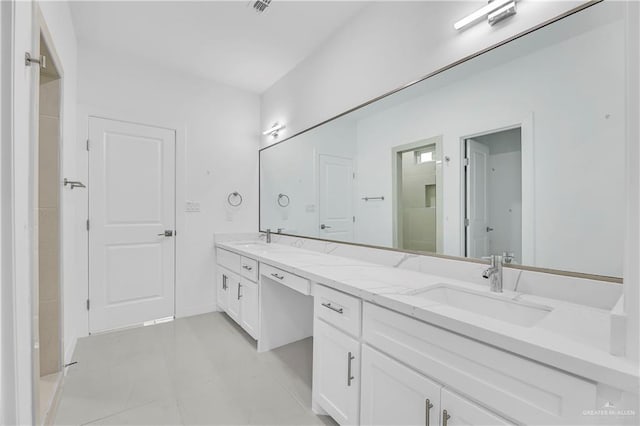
{"x": 282, "y": 197}
{"x": 234, "y": 194}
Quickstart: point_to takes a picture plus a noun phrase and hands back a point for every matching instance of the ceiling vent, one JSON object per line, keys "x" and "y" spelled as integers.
{"x": 260, "y": 5}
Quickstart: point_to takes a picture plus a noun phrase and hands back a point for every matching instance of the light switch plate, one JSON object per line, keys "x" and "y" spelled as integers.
{"x": 192, "y": 207}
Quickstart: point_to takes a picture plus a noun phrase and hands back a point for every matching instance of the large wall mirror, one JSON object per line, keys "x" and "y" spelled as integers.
{"x": 520, "y": 150}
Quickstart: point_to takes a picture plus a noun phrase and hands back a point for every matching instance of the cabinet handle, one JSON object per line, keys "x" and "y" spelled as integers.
{"x": 280, "y": 277}
{"x": 328, "y": 305}
{"x": 428, "y": 407}
{"x": 248, "y": 268}
{"x": 445, "y": 417}
{"x": 239, "y": 295}
{"x": 349, "y": 376}
{"x": 224, "y": 282}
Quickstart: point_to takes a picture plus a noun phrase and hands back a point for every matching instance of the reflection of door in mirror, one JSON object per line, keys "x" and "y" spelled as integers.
{"x": 418, "y": 196}
{"x": 493, "y": 171}
{"x": 335, "y": 197}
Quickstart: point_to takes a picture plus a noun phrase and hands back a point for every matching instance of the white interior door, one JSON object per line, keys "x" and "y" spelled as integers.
{"x": 477, "y": 208}
{"x": 336, "y": 197}
{"x": 131, "y": 205}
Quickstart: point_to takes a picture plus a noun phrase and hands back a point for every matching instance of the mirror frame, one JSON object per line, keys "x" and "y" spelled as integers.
{"x": 604, "y": 278}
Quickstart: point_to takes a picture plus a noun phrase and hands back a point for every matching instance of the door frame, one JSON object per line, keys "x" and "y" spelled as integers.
{"x": 179, "y": 132}
{"x": 528, "y": 180}
{"x": 396, "y": 188}
{"x": 41, "y": 30}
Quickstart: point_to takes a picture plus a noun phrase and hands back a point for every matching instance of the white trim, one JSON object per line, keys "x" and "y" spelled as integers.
{"x": 528, "y": 181}
{"x": 631, "y": 272}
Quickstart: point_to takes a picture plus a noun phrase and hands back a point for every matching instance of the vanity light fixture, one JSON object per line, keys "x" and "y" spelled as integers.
{"x": 273, "y": 131}
{"x": 495, "y": 11}
{"x": 260, "y": 5}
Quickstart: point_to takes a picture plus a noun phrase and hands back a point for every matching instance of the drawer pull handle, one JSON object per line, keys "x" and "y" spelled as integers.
{"x": 445, "y": 417}
{"x": 248, "y": 268}
{"x": 428, "y": 407}
{"x": 280, "y": 277}
{"x": 224, "y": 282}
{"x": 239, "y": 294}
{"x": 349, "y": 376}
{"x": 328, "y": 305}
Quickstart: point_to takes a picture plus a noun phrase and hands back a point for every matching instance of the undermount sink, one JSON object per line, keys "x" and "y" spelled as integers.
{"x": 489, "y": 305}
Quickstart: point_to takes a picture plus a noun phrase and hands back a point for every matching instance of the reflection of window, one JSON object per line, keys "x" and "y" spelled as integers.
{"x": 425, "y": 155}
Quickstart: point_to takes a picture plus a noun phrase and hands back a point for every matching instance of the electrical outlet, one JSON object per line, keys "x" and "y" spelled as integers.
{"x": 192, "y": 207}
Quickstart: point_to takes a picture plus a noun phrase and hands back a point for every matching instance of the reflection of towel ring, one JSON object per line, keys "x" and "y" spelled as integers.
{"x": 234, "y": 194}
{"x": 283, "y": 200}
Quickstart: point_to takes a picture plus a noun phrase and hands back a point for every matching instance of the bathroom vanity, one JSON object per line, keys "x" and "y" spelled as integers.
{"x": 394, "y": 346}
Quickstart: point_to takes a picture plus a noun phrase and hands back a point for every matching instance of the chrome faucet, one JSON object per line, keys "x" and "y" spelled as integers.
{"x": 268, "y": 235}
{"x": 494, "y": 272}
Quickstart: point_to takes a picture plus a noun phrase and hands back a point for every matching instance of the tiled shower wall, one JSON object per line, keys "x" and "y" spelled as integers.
{"x": 49, "y": 228}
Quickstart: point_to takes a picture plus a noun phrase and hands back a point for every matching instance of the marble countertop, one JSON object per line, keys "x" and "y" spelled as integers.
{"x": 572, "y": 337}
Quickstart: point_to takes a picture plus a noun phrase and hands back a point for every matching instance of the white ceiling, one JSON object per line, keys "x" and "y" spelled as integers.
{"x": 226, "y": 41}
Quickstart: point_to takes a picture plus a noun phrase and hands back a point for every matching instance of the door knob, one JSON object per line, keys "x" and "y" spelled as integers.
{"x": 166, "y": 233}
{"x": 323, "y": 226}
{"x": 489, "y": 229}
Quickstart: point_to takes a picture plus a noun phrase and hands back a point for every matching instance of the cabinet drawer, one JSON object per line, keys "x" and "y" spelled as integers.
{"x": 519, "y": 388}
{"x": 299, "y": 284}
{"x": 339, "y": 309}
{"x": 249, "y": 268}
{"x": 228, "y": 259}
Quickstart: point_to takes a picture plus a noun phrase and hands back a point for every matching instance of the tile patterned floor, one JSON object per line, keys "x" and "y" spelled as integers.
{"x": 202, "y": 370}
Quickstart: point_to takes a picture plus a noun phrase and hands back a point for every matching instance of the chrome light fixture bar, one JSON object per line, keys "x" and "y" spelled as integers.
{"x": 495, "y": 11}
{"x": 273, "y": 131}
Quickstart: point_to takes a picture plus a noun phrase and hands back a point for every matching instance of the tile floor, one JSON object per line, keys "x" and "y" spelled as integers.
{"x": 201, "y": 370}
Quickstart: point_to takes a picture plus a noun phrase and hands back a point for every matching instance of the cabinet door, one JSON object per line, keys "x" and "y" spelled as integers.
{"x": 233, "y": 300}
{"x": 457, "y": 410}
{"x": 222, "y": 288}
{"x": 249, "y": 314}
{"x": 336, "y": 373}
{"x": 393, "y": 394}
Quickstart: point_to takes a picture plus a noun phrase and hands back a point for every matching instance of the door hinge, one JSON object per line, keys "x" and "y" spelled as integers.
{"x": 466, "y": 222}
{"x": 465, "y": 162}
{"x": 87, "y": 224}
{"x": 88, "y": 304}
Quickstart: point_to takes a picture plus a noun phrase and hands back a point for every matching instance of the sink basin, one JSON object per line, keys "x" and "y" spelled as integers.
{"x": 489, "y": 305}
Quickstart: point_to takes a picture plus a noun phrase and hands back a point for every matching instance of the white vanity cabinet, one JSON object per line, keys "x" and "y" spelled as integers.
{"x": 249, "y": 307}
{"x": 237, "y": 290}
{"x": 234, "y": 287}
{"x": 393, "y": 394}
{"x": 501, "y": 382}
{"x": 458, "y": 411}
{"x": 336, "y": 354}
{"x": 222, "y": 288}
{"x": 336, "y": 373}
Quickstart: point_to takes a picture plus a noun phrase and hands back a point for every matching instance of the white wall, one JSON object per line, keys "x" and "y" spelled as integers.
{"x": 217, "y": 139}
{"x": 386, "y": 46}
